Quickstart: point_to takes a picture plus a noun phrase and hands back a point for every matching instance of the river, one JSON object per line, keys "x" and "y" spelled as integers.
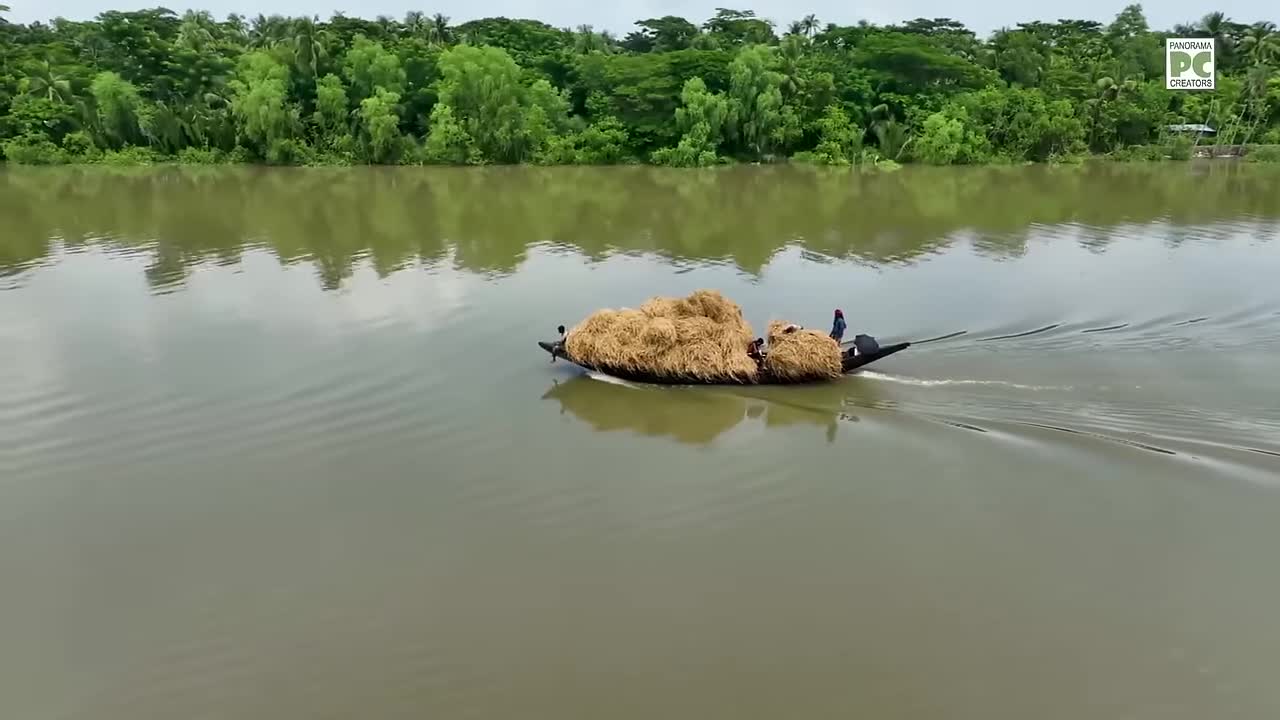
{"x": 279, "y": 443}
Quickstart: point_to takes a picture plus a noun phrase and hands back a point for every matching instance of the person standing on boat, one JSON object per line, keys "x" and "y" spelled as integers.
{"x": 838, "y": 326}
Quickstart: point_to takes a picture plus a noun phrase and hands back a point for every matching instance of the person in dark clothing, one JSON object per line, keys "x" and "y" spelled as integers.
{"x": 838, "y": 326}
{"x": 559, "y": 343}
{"x": 754, "y": 350}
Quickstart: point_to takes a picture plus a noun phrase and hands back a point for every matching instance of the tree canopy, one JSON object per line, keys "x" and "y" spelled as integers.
{"x": 148, "y": 85}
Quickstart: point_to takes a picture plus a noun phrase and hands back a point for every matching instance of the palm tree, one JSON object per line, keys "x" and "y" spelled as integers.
{"x": 388, "y": 24}
{"x": 207, "y": 121}
{"x": 1214, "y": 24}
{"x": 890, "y": 134}
{"x": 1261, "y": 43}
{"x": 310, "y": 45}
{"x": 586, "y": 40}
{"x": 163, "y": 127}
{"x": 791, "y": 52}
{"x": 91, "y": 45}
{"x": 809, "y": 25}
{"x": 1217, "y": 25}
{"x": 43, "y": 79}
{"x": 194, "y": 33}
{"x": 1108, "y": 90}
{"x": 265, "y": 32}
{"x": 795, "y": 29}
{"x": 439, "y": 32}
{"x": 236, "y": 24}
{"x": 415, "y": 23}
{"x": 258, "y": 32}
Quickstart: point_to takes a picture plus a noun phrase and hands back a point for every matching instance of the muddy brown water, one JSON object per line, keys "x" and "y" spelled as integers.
{"x": 279, "y": 443}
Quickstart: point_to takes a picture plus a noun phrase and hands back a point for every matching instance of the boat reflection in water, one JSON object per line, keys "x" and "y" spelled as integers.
{"x": 699, "y": 415}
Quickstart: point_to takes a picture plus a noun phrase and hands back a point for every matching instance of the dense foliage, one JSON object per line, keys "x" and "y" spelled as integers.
{"x": 139, "y": 86}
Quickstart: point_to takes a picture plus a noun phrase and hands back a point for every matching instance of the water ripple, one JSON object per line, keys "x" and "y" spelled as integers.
{"x": 324, "y": 456}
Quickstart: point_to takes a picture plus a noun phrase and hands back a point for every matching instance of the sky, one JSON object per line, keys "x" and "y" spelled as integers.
{"x": 620, "y": 17}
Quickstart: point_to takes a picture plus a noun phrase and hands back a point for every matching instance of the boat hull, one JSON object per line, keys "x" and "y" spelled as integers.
{"x": 849, "y": 364}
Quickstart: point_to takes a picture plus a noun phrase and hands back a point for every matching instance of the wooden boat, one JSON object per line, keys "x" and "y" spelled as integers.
{"x": 850, "y": 361}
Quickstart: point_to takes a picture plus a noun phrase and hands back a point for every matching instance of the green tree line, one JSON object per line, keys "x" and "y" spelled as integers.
{"x": 141, "y": 86}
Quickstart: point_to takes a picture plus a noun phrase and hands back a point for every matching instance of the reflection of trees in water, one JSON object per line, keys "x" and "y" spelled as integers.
{"x": 20, "y": 252}
{"x": 697, "y": 416}
{"x": 167, "y": 269}
{"x": 489, "y": 217}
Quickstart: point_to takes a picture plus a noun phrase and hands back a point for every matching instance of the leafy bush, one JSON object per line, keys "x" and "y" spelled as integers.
{"x": 79, "y": 146}
{"x": 1263, "y": 153}
{"x": 33, "y": 150}
{"x": 130, "y": 156}
{"x": 947, "y": 138}
{"x": 1180, "y": 147}
{"x": 1139, "y": 153}
{"x": 201, "y": 156}
{"x": 287, "y": 151}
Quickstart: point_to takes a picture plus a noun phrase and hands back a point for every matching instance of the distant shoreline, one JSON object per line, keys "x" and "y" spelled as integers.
{"x": 1136, "y": 154}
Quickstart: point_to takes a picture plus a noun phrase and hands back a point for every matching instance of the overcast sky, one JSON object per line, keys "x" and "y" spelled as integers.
{"x": 620, "y": 16}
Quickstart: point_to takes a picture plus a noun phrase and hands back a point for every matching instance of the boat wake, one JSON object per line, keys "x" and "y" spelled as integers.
{"x": 612, "y": 380}
{"x": 921, "y": 382}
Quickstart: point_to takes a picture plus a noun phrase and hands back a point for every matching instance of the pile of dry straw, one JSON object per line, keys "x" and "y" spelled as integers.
{"x": 699, "y": 338}
{"x": 801, "y": 355}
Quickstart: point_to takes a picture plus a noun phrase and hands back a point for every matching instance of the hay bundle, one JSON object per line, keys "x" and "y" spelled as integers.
{"x": 660, "y": 334}
{"x": 660, "y": 307}
{"x": 713, "y": 306}
{"x": 700, "y": 338}
{"x": 801, "y": 355}
{"x": 707, "y": 304}
{"x": 610, "y": 339}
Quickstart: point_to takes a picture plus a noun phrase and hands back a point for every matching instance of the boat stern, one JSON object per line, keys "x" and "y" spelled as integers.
{"x": 554, "y": 347}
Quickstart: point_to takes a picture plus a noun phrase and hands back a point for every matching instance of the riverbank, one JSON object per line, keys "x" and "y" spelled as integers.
{"x": 870, "y": 160}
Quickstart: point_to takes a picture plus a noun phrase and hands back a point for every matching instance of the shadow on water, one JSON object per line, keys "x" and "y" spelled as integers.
{"x": 484, "y": 220}
{"x": 700, "y": 415}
